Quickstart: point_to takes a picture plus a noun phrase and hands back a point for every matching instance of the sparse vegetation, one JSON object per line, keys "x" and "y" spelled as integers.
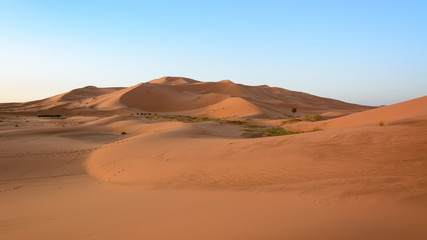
{"x": 16, "y": 125}
{"x": 315, "y": 129}
{"x": 380, "y": 123}
{"x": 181, "y": 118}
{"x": 202, "y": 119}
{"x": 123, "y": 133}
{"x": 311, "y": 118}
{"x": 270, "y": 132}
{"x": 278, "y": 131}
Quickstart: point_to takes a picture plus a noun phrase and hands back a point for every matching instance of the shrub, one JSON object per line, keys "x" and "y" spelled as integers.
{"x": 381, "y": 123}
{"x": 277, "y": 131}
{"x": 315, "y": 129}
{"x": 180, "y": 118}
{"x": 294, "y": 110}
{"x": 270, "y": 132}
{"x": 123, "y": 133}
{"x": 312, "y": 118}
{"x": 16, "y": 125}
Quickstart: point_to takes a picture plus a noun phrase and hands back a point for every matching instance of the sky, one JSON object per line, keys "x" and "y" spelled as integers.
{"x": 365, "y": 52}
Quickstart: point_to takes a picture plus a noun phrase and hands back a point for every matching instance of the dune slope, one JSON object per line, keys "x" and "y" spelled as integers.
{"x": 178, "y": 95}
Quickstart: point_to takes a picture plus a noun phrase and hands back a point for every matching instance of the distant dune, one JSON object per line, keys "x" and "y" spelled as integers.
{"x": 178, "y": 95}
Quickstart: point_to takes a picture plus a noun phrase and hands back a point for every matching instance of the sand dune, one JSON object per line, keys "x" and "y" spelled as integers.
{"x": 174, "y": 157}
{"x": 411, "y": 110}
{"x": 102, "y": 173}
{"x": 86, "y": 92}
{"x": 177, "y": 95}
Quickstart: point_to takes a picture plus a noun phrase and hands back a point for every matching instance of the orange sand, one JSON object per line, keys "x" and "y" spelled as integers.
{"x": 79, "y": 178}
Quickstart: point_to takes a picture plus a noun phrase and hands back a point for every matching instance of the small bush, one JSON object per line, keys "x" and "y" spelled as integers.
{"x": 180, "y": 118}
{"x": 123, "y": 133}
{"x": 16, "y": 125}
{"x": 294, "y": 110}
{"x": 277, "y": 131}
{"x": 380, "y": 123}
{"x": 312, "y": 118}
{"x": 315, "y": 129}
{"x": 270, "y": 132}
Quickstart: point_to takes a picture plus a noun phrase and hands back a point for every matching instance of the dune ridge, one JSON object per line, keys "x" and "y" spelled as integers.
{"x": 178, "y": 95}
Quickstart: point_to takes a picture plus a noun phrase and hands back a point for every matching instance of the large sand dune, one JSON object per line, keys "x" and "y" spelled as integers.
{"x": 101, "y": 173}
{"x": 177, "y": 95}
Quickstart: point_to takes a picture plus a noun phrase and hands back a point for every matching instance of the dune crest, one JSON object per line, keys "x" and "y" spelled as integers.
{"x": 404, "y": 111}
{"x": 173, "y": 80}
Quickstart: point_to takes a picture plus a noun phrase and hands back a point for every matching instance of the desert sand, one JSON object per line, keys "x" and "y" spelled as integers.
{"x": 123, "y": 163}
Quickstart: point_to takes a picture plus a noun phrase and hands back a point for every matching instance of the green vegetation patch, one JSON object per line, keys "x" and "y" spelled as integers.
{"x": 311, "y": 118}
{"x": 181, "y": 118}
{"x": 270, "y": 132}
{"x": 278, "y": 131}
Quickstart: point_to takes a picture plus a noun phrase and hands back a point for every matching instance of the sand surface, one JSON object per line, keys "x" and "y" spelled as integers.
{"x": 79, "y": 177}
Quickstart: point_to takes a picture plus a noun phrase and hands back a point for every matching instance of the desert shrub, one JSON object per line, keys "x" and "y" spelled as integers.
{"x": 380, "y": 123}
{"x": 123, "y": 133}
{"x": 180, "y": 118}
{"x": 294, "y": 110}
{"x": 315, "y": 129}
{"x": 312, "y": 118}
{"x": 270, "y": 132}
{"x": 277, "y": 131}
{"x": 16, "y": 125}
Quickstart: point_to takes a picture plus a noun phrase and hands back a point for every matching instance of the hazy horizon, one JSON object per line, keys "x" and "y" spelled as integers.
{"x": 358, "y": 52}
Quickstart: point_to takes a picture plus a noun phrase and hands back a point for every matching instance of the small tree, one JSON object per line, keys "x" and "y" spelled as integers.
{"x": 294, "y": 110}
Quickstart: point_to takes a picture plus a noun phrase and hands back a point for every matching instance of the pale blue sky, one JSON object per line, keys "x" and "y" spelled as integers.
{"x": 366, "y": 52}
